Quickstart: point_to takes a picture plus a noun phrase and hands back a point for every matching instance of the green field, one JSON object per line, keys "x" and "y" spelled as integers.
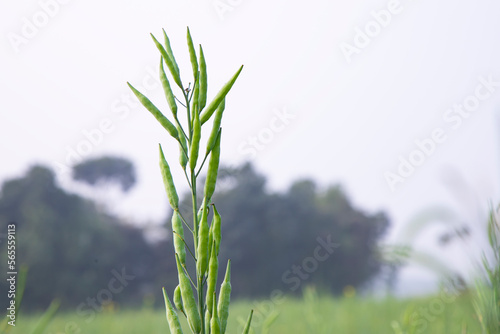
{"x": 440, "y": 314}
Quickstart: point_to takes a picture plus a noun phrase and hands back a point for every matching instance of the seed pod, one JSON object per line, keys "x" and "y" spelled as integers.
{"x": 247, "y": 326}
{"x": 224, "y": 298}
{"x": 179, "y": 246}
{"x": 155, "y": 112}
{"x": 178, "y": 299}
{"x": 202, "y": 251}
{"x": 213, "y": 267}
{"x": 216, "y": 126}
{"x": 215, "y": 325}
{"x": 216, "y": 230}
{"x": 210, "y": 242}
{"x": 213, "y": 169}
{"x": 172, "y": 318}
{"x": 192, "y": 54}
{"x": 194, "y": 100}
{"x": 168, "y": 91}
{"x": 169, "y": 51}
{"x": 208, "y": 317}
{"x": 188, "y": 299}
{"x": 170, "y": 61}
{"x": 202, "y": 98}
{"x": 168, "y": 181}
{"x": 195, "y": 142}
{"x": 183, "y": 158}
{"x": 205, "y": 116}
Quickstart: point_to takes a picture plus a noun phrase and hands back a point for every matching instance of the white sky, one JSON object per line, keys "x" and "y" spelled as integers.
{"x": 352, "y": 120}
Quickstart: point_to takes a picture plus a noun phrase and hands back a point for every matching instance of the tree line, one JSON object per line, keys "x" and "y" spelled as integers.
{"x": 78, "y": 252}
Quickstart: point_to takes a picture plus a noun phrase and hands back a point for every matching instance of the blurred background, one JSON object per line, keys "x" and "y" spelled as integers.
{"x": 373, "y": 123}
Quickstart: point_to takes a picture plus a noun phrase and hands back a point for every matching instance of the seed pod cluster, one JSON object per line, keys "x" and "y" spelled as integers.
{"x": 204, "y": 312}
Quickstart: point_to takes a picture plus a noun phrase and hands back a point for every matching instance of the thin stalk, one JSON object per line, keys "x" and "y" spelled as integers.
{"x": 182, "y": 104}
{"x": 182, "y": 130}
{"x": 187, "y": 178}
{"x": 204, "y": 159}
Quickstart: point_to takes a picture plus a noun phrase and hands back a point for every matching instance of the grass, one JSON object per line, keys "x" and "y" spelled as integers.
{"x": 312, "y": 314}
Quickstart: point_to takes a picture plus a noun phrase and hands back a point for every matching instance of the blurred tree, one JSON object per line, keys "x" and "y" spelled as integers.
{"x": 72, "y": 248}
{"x": 106, "y": 170}
{"x": 272, "y": 238}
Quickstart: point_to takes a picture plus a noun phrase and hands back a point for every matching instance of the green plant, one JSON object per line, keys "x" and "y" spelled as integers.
{"x": 204, "y": 314}
{"x": 487, "y": 298}
{"x": 44, "y": 320}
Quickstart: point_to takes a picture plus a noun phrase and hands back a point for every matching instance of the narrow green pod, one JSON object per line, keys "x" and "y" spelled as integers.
{"x": 210, "y": 242}
{"x": 202, "y": 98}
{"x": 195, "y": 142}
{"x": 167, "y": 90}
{"x": 169, "y": 51}
{"x": 216, "y": 228}
{"x": 183, "y": 158}
{"x": 215, "y": 127}
{"x": 246, "y": 330}
{"x": 215, "y": 324}
{"x": 202, "y": 251}
{"x": 213, "y": 268}
{"x": 178, "y": 299}
{"x": 192, "y": 54}
{"x": 205, "y": 116}
{"x": 194, "y": 100}
{"x": 213, "y": 169}
{"x": 179, "y": 245}
{"x": 168, "y": 181}
{"x": 224, "y": 298}
{"x": 172, "y": 66}
{"x": 188, "y": 299}
{"x": 172, "y": 318}
{"x": 208, "y": 317}
{"x": 155, "y": 112}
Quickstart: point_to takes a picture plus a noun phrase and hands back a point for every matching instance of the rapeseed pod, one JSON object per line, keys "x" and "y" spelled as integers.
{"x": 172, "y": 318}
{"x": 224, "y": 298}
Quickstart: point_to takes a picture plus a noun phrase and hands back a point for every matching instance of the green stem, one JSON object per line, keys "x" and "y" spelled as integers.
{"x": 204, "y": 159}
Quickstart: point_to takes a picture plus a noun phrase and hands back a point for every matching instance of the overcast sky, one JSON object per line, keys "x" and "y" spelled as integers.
{"x": 399, "y": 101}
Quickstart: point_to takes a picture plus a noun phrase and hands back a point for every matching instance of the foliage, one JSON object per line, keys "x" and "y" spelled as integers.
{"x": 487, "y": 301}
